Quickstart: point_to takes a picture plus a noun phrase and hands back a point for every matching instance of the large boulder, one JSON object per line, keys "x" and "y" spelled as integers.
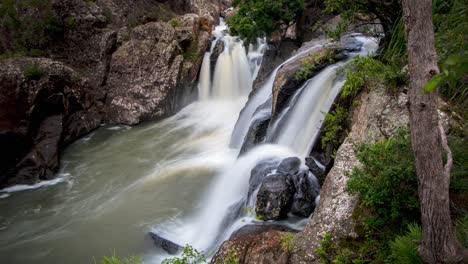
{"x": 45, "y": 105}
{"x": 165, "y": 244}
{"x": 306, "y": 190}
{"x": 274, "y": 197}
{"x": 262, "y": 248}
{"x": 149, "y": 71}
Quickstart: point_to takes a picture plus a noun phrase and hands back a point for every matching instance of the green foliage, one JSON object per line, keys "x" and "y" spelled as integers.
{"x": 107, "y": 13}
{"x": 332, "y": 130}
{"x": 287, "y": 241}
{"x": 115, "y": 260}
{"x": 231, "y": 258}
{"x": 459, "y": 174}
{"x": 27, "y": 25}
{"x": 256, "y": 18}
{"x": 70, "y": 22}
{"x": 189, "y": 256}
{"x": 33, "y": 72}
{"x": 175, "y": 22}
{"x": 405, "y": 248}
{"x": 309, "y": 68}
{"x": 461, "y": 229}
{"x": 326, "y": 249}
{"x": 361, "y": 71}
{"x": 387, "y": 182}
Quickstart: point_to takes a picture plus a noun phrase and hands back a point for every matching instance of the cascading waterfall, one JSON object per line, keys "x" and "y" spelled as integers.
{"x": 235, "y": 69}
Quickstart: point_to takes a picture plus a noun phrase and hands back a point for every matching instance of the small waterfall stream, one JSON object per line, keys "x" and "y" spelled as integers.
{"x": 180, "y": 177}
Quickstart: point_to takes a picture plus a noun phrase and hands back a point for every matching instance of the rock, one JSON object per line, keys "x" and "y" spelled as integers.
{"x": 274, "y": 197}
{"x": 147, "y": 73}
{"x": 45, "y": 105}
{"x": 259, "y": 228}
{"x": 169, "y": 246}
{"x": 315, "y": 169}
{"x": 258, "y": 127}
{"x": 260, "y": 172}
{"x": 263, "y": 248}
{"x": 289, "y": 166}
{"x": 306, "y": 190}
{"x": 217, "y": 50}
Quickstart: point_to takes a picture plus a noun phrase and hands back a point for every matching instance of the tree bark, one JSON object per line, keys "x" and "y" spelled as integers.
{"x": 439, "y": 244}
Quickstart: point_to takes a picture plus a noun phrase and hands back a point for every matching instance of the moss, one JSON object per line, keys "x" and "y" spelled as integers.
{"x": 175, "y": 23}
{"x": 33, "y": 72}
{"x": 287, "y": 241}
{"x": 312, "y": 62}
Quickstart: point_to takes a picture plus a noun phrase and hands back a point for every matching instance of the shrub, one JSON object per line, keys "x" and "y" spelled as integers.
{"x": 287, "y": 241}
{"x": 387, "y": 182}
{"x": 405, "y": 248}
{"x": 175, "y": 22}
{"x": 332, "y": 130}
{"x": 309, "y": 68}
{"x": 33, "y": 72}
{"x": 461, "y": 229}
{"x": 189, "y": 256}
{"x": 115, "y": 260}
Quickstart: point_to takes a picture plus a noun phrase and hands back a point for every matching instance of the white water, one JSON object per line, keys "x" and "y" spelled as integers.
{"x": 300, "y": 125}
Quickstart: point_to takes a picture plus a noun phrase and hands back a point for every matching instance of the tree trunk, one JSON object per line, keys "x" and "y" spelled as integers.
{"x": 438, "y": 243}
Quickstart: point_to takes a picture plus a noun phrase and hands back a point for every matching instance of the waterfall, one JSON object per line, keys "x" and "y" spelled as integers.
{"x": 300, "y": 123}
{"x": 235, "y": 69}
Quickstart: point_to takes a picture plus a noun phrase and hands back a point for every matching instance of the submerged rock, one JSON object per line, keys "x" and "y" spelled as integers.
{"x": 260, "y": 172}
{"x": 275, "y": 197}
{"x": 169, "y": 246}
{"x": 306, "y": 190}
{"x": 315, "y": 169}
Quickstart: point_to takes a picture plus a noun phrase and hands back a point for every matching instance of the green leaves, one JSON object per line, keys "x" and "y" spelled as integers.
{"x": 452, "y": 70}
{"x": 433, "y": 83}
{"x": 257, "y": 18}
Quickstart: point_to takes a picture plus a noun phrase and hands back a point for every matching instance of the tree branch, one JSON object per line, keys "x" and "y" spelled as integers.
{"x": 443, "y": 137}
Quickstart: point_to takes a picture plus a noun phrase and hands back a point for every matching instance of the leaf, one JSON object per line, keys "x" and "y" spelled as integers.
{"x": 432, "y": 83}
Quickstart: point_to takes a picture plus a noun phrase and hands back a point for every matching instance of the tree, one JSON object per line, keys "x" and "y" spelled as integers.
{"x": 428, "y": 138}
{"x": 256, "y": 18}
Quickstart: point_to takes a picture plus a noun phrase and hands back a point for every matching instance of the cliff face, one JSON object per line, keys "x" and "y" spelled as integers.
{"x": 107, "y": 61}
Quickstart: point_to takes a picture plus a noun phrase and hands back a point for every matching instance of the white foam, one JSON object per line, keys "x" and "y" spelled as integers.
{"x": 23, "y": 187}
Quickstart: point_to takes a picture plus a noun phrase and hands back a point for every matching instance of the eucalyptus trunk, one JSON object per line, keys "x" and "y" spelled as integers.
{"x": 439, "y": 244}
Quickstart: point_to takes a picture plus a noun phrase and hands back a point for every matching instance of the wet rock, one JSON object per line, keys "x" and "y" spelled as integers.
{"x": 260, "y": 172}
{"x": 289, "y": 166}
{"x": 257, "y": 248}
{"x": 259, "y": 228}
{"x": 217, "y": 50}
{"x": 306, "y": 190}
{"x": 274, "y": 197}
{"x": 315, "y": 169}
{"x": 169, "y": 246}
{"x": 258, "y": 127}
{"x": 45, "y": 105}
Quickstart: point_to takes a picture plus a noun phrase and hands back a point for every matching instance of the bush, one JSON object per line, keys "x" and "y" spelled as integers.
{"x": 175, "y": 23}
{"x": 332, "y": 130}
{"x": 115, "y": 260}
{"x": 405, "y": 248}
{"x": 387, "y": 182}
{"x": 287, "y": 241}
{"x": 33, "y": 72}
{"x": 309, "y": 68}
{"x": 189, "y": 256}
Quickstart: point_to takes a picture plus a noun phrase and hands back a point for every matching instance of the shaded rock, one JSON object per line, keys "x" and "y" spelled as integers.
{"x": 262, "y": 248}
{"x": 169, "y": 246}
{"x": 260, "y": 172}
{"x": 315, "y": 169}
{"x": 259, "y": 228}
{"x": 306, "y": 190}
{"x": 274, "y": 197}
{"x": 217, "y": 50}
{"x": 289, "y": 166}
{"x": 45, "y": 105}
{"x": 258, "y": 127}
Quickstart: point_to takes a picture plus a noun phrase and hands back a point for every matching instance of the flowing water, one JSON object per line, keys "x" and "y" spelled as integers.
{"x": 178, "y": 177}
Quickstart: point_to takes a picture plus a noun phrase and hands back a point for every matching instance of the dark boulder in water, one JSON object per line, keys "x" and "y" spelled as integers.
{"x": 315, "y": 169}
{"x": 260, "y": 172}
{"x": 169, "y": 246}
{"x": 306, "y": 190}
{"x": 274, "y": 197}
{"x": 289, "y": 166}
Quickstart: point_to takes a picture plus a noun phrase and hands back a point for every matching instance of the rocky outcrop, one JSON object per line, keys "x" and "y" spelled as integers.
{"x": 45, "y": 105}
{"x": 378, "y": 115}
{"x": 283, "y": 187}
{"x": 263, "y": 248}
{"x": 154, "y": 67}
